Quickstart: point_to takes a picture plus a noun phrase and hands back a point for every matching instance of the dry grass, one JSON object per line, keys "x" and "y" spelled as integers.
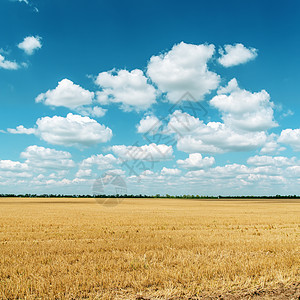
{"x": 77, "y": 248}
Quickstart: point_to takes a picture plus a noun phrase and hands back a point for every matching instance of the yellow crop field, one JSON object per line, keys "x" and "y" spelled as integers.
{"x": 149, "y": 249}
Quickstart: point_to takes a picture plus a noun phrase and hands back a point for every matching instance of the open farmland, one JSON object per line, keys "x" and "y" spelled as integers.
{"x": 149, "y": 249}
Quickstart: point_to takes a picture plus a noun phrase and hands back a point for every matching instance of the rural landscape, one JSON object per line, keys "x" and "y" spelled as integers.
{"x": 76, "y": 248}
{"x": 149, "y": 150}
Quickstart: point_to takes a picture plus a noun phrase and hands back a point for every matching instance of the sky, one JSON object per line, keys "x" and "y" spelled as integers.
{"x": 149, "y": 97}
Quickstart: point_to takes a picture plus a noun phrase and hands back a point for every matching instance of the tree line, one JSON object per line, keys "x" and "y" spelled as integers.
{"x": 146, "y": 196}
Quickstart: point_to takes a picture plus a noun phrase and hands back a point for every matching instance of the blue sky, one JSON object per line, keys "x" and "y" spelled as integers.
{"x": 92, "y": 89}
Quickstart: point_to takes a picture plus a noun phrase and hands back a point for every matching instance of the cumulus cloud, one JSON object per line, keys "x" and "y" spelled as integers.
{"x": 130, "y": 89}
{"x": 277, "y": 161}
{"x": 83, "y": 173}
{"x": 13, "y": 175}
{"x": 184, "y": 69}
{"x": 21, "y": 130}
{"x": 233, "y": 55}
{"x": 244, "y": 110}
{"x": 149, "y": 124}
{"x": 30, "y": 44}
{"x": 196, "y": 161}
{"x": 263, "y": 171}
{"x": 193, "y": 135}
{"x": 119, "y": 172}
{"x": 102, "y": 162}
{"x": 37, "y": 159}
{"x": 290, "y": 137}
{"x": 182, "y": 123}
{"x": 62, "y": 183}
{"x": 221, "y": 172}
{"x": 8, "y": 65}
{"x": 151, "y": 177}
{"x": 74, "y": 130}
{"x": 95, "y": 111}
{"x": 9, "y": 165}
{"x": 271, "y": 145}
{"x": 47, "y": 158}
{"x": 217, "y": 138}
{"x": 170, "y": 172}
{"x": 246, "y": 117}
{"x": 67, "y": 94}
{"x": 152, "y": 152}
{"x": 147, "y": 173}
{"x": 293, "y": 171}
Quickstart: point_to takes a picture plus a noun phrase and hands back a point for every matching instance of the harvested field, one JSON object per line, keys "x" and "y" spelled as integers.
{"x": 149, "y": 249}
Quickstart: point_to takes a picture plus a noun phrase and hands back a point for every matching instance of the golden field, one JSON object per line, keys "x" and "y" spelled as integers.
{"x": 148, "y": 248}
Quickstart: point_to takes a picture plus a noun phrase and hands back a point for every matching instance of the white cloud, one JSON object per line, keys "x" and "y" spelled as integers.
{"x": 194, "y": 135}
{"x": 74, "y": 130}
{"x": 266, "y": 180}
{"x": 236, "y": 54}
{"x": 150, "y": 177}
{"x": 66, "y": 94}
{"x": 271, "y": 145}
{"x": 184, "y": 69}
{"x": 13, "y": 175}
{"x": 47, "y": 158}
{"x": 246, "y": 117}
{"x": 191, "y": 144}
{"x": 31, "y": 44}
{"x": 277, "y": 161}
{"x": 147, "y": 173}
{"x": 22, "y": 130}
{"x": 244, "y": 110}
{"x": 149, "y": 124}
{"x": 170, "y": 172}
{"x": 182, "y": 123}
{"x": 95, "y": 111}
{"x": 221, "y": 172}
{"x": 266, "y": 173}
{"x": 9, "y": 165}
{"x": 150, "y": 152}
{"x": 58, "y": 174}
{"x": 8, "y": 65}
{"x": 63, "y": 183}
{"x": 102, "y": 162}
{"x": 219, "y": 139}
{"x": 130, "y": 89}
{"x": 119, "y": 172}
{"x": 83, "y": 173}
{"x": 271, "y": 170}
{"x": 293, "y": 171}
{"x": 38, "y": 159}
{"x": 290, "y": 137}
{"x": 196, "y": 161}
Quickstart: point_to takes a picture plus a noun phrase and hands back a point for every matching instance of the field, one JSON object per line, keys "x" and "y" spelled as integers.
{"x": 149, "y": 249}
